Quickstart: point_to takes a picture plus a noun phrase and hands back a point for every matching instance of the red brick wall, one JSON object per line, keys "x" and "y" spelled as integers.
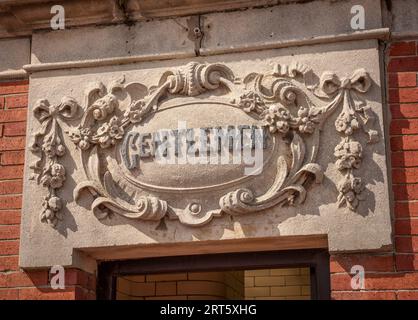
{"x": 394, "y": 274}
{"x": 14, "y": 283}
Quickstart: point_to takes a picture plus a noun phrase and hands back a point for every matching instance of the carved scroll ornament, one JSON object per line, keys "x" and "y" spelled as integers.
{"x": 282, "y": 100}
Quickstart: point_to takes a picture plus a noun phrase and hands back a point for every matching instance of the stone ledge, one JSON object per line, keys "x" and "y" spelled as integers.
{"x": 21, "y": 17}
{"x": 380, "y": 34}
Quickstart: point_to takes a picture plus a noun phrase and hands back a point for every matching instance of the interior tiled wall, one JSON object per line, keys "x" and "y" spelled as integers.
{"x": 237, "y": 285}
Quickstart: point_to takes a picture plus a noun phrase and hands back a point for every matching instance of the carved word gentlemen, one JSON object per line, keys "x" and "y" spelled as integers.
{"x": 245, "y": 143}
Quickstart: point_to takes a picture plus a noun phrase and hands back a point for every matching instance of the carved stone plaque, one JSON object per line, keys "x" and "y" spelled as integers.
{"x": 94, "y": 153}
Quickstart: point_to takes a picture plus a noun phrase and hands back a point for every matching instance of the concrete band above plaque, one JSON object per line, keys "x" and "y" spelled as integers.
{"x": 246, "y": 145}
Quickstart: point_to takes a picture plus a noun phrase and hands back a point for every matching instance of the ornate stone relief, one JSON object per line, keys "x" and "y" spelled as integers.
{"x": 287, "y": 100}
{"x": 48, "y": 142}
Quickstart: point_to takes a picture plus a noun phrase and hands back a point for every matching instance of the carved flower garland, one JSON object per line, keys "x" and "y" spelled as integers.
{"x": 350, "y": 188}
{"x": 251, "y": 102}
{"x": 277, "y": 118}
{"x": 48, "y": 144}
{"x": 349, "y": 154}
{"x": 354, "y": 115}
{"x": 274, "y": 98}
{"x": 82, "y": 137}
{"x": 280, "y": 119}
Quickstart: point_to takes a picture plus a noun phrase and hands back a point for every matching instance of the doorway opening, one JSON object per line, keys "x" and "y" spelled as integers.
{"x": 295, "y": 274}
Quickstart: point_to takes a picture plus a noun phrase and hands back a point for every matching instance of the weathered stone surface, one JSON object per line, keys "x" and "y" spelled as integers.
{"x": 403, "y": 17}
{"x": 14, "y": 53}
{"x": 165, "y": 39}
{"x": 18, "y": 18}
{"x": 332, "y": 77}
{"x": 283, "y": 23}
{"x": 22, "y": 17}
{"x": 145, "y": 38}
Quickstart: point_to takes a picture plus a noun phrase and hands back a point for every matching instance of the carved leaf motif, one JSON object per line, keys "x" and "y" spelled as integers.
{"x": 368, "y": 125}
{"x": 109, "y": 184}
{"x": 281, "y": 173}
{"x": 117, "y": 84}
{"x": 93, "y": 165}
{"x": 38, "y": 135}
{"x": 250, "y": 78}
{"x": 83, "y": 185}
{"x": 150, "y": 208}
{"x": 298, "y": 153}
{"x": 237, "y": 202}
{"x": 311, "y": 168}
{"x": 297, "y": 195}
{"x": 93, "y": 92}
{"x": 101, "y": 206}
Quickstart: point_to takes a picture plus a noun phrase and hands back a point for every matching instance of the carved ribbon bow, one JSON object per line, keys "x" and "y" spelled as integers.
{"x": 359, "y": 81}
{"x": 47, "y": 115}
{"x": 66, "y": 109}
{"x": 355, "y": 113}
